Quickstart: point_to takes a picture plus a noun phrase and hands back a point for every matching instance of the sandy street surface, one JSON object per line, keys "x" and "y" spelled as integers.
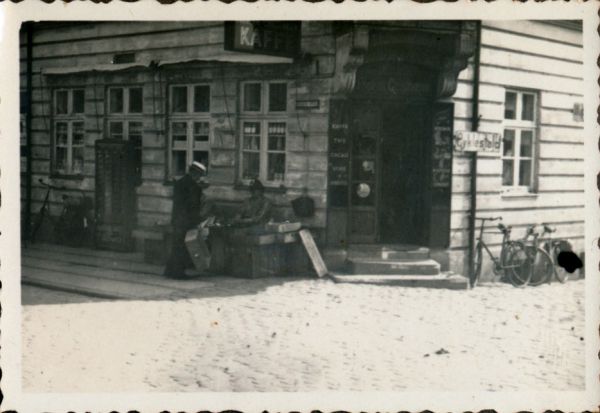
{"x": 306, "y": 335}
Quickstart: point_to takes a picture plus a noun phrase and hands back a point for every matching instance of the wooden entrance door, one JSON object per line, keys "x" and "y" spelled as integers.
{"x": 364, "y": 173}
{"x": 404, "y": 177}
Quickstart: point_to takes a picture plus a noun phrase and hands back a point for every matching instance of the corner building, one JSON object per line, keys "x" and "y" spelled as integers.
{"x": 361, "y": 114}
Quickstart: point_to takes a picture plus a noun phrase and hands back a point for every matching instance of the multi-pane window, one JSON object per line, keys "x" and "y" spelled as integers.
{"x": 189, "y": 126}
{"x": 518, "y": 143}
{"x": 69, "y": 142}
{"x": 264, "y": 131}
{"x": 124, "y": 120}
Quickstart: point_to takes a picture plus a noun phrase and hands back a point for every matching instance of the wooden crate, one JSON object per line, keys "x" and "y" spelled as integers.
{"x": 256, "y": 261}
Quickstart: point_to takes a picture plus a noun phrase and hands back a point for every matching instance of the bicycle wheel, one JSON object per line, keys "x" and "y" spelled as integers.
{"x": 518, "y": 264}
{"x": 543, "y": 267}
{"x": 560, "y": 273}
{"x": 477, "y": 261}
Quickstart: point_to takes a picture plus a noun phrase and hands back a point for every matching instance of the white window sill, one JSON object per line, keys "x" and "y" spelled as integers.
{"x": 518, "y": 193}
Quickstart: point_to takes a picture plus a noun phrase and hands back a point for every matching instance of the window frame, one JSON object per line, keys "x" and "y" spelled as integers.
{"x": 189, "y": 117}
{"x": 264, "y": 117}
{"x": 518, "y": 125}
{"x": 70, "y": 118}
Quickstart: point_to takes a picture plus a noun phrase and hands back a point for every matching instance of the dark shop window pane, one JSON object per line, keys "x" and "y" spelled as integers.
{"x": 78, "y": 101}
{"x": 250, "y": 165}
{"x": 202, "y": 157}
{"x": 61, "y": 160}
{"x": 78, "y": 133}
{"x": 62, "y": 102}
{"x": 179, "y": 131}
{"x": 202, "y": 98}
{"x": 62, "y": 133}
{"x": 77, "y": 161}
{"x": 338, "y": 196}
{"x": 179, "y": 99}
{"x": 201, "y": 132}
{"x": 135, "y": 133}
{"x": 252, "y": 93}
{"x": 507, "y": 172}
{"x": 527, "y": 107}
{"x": 526, "y": 143}
{"x": 525, "y": 172}
{"x": 115, "y": 101}
{"x": 277, "y": 97}
{"x": 508, "y": 143}
{"x": 510, "y": 105}
{"x": 179, "y": 163}
{"x": 276, "y": 167}
{"x": 136, "y": 100}
{"x": 116, "y": 130}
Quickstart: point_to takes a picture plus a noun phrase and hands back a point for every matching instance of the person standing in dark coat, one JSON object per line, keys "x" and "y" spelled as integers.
{"x": 190, "y": 208}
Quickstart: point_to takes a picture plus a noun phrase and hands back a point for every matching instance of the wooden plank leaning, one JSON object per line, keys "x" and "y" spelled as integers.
{"x": 313, "y": 252}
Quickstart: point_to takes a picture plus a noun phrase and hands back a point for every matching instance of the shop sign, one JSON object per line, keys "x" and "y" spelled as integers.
{"x": 469, "y": 141}
{"x": 263, "y": 37}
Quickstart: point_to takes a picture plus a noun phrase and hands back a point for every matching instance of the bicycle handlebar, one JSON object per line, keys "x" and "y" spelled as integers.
{"x": 488, "y": 218}
{"x": 547, "y": 228}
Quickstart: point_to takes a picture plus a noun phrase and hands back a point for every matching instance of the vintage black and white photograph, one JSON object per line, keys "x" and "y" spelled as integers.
{"x": 303, "y": 205}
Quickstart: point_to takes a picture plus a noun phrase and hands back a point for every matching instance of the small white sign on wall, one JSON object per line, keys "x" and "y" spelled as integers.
{"x": 469, "y": 141}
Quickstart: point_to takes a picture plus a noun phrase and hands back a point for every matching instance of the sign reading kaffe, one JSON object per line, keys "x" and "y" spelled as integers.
{"x": 468, "y": 141}
{"x": 262, "y": 37}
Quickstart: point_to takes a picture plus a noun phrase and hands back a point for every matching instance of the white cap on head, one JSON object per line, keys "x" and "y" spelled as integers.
{"x": 198, "y": 166}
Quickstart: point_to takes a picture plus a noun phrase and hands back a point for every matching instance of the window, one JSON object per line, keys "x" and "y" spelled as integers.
{"x": 264, "y": 131}
{"x": 124, "y": 120}
{"x": 518, "y": 143}
{"x": 69, "y": 142}
{"x": 189, "y": 127}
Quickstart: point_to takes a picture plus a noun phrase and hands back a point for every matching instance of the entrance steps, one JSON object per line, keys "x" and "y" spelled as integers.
{"x": 400, "y": 265}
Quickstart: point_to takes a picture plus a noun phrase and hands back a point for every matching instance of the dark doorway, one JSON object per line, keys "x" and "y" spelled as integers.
{"x": 404, "y": 208}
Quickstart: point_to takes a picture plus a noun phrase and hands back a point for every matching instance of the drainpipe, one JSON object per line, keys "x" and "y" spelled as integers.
{"x": 474, "y": 128}
{"x": 28, "y": 172}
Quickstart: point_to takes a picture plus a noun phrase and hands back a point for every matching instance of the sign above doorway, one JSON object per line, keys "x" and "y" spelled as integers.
{"x": 470, "y": 141}
{"x": 263, "y": 37}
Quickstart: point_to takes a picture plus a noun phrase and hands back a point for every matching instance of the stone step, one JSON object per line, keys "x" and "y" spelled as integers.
{"x": 446, "y": 281}
{"x": 415, "y": 255}
{"x": 393, "y": 267}
{"x": 388, "y": 252}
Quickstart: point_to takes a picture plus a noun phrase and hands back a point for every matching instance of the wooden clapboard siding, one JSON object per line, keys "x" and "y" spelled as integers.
{"x": 487, "y": 202}
{"x": 489, "y": 111}
{"x": 494, "y": 57}
{"x": 558, "y": 101}
{"x": 536, "y": 29}
{"x": 529, "y": 80}
{"x": 555, "y": 167}
{"x": 518, "y": 41}
{"x": 545, "y": 59}
{"x": 525, "y": 216}
{"x": 559, "y": 134}
{"x": 559, "y": 150}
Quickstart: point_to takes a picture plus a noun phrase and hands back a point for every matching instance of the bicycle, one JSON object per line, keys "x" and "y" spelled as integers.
{"x": 511, "y": 262}
{"x": 44, "y": 210}
{"x": 557, "y": 249}
{"x": 541, "y": 265}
